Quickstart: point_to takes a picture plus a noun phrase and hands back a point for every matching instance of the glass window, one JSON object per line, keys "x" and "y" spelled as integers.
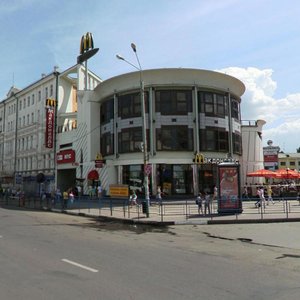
{"x": 107, "y": 144}
{"x": 133, "y": 176}
{"x": 107, "y": 111}
{"x": 32, "y": 99}
{"x": 214, "y": 139}
{"x": 40, "y": 96}
{"x": 174, "y": 138}
{"x": 173, "y": 102}
{"x": 130, "y": 140}
{"x": 237, "y": 143}
{"x": 130, "y": 105}
{"x": 235, "y": 109}
{"x": 220, "y": 105}
{"x": 212, "y": 104}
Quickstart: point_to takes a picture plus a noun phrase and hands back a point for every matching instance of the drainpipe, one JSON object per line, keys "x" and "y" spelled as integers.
{"x": 16, "y": 137}
{"x": 56, "y": 74}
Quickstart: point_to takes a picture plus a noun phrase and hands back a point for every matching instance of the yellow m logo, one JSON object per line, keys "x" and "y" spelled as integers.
{"x": 86, "y": 43}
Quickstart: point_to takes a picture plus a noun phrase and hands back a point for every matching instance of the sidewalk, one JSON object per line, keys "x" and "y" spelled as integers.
{"x": 187, "y": 213}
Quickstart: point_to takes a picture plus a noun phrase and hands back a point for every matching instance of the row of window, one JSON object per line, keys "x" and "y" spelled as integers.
{"x": 291, "y": 163}
{"x": 30, "y": 100}
{"x": 26, "y": 143}
{"x": 31, "y": 163}
{"x": 23, "y": 121}
{"x": 172, "y": 138}
{"x": 172, "y": 102}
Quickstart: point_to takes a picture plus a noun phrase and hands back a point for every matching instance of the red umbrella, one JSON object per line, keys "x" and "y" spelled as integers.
{"x": 262, "y": 173}
{"x": 287, "y": 174}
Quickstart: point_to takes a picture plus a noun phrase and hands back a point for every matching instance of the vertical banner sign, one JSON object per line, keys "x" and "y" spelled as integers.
{"x": 229, "y": 191}
{"x": 49, "y": 127}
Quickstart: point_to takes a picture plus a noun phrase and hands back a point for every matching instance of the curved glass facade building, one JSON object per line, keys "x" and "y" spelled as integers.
{"x": 188, "y": 112}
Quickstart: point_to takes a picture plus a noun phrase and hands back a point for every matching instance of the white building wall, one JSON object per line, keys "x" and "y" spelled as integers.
{"x": 253, "y": 158}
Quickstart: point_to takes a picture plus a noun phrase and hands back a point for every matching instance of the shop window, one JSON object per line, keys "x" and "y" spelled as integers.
{"x": 175, "y": 179}
{"x": 174, "y": 138}
{"x": 173, "y": 102}
{"x": 133, "y": 176}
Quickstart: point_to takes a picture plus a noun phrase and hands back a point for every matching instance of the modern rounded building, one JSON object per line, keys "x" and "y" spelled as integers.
{"x": 191, "y": 115}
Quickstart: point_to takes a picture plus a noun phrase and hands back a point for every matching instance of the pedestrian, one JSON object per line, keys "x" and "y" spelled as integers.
{"x": 58, "y": 196}
{"x": 79, "y": 190}
{"x": 133, "y": 198}
{"x": 91, "y": 191}
{"x": 245, "y": 192}
{"x": 206, "y": 203}
{"x": 269, "y": 193}
{"x": 71, "y": 197}
{"x": 158, "y": 195}
{"x": 257, "y": 203}
{"x": 262, "y": 197}
{"x": 215, "y": 193}
{"x": 65, "y": 199}
{"x": 199, "y": 203}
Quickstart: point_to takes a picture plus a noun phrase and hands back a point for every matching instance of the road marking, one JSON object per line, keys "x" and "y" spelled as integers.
{"x": 79, "y": 265}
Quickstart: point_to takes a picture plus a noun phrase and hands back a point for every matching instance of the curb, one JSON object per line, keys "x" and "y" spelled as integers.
{"x": 253, "y": 221}
{"x": 120, "y": 220}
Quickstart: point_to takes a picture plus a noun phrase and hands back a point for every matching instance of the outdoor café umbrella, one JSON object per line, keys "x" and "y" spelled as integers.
{"x": 262, "y": 173}
{"x": 287, "y": 174}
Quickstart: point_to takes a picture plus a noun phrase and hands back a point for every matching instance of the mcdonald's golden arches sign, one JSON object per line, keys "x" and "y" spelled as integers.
{"x": 199, "y": 158}
{"x": 50, "y": 102}
{"x": 86, "y": 43}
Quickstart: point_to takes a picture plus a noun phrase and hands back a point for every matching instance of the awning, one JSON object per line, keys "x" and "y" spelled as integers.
{"x": 93, "y": 175}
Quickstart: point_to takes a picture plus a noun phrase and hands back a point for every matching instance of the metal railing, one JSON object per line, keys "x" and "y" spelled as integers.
{"x": 288, "y": 207}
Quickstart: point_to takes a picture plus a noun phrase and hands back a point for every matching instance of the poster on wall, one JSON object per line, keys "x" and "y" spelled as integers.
{"x": 229, "y": 189}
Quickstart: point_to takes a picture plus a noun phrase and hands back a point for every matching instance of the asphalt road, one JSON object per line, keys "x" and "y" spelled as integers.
{"x": 45, "y": 255}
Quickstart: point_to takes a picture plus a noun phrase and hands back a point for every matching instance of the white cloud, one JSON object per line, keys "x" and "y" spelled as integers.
{"x": 258, "y": 102}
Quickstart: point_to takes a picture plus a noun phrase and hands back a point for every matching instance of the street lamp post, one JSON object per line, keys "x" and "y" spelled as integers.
{"x": 144, "y": 128}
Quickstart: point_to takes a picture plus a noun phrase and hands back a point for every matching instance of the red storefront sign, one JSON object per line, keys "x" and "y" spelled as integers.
{"x": 65, "y": 156}
{"x": 49, "y": 127}
{"x": 271, "y": 158}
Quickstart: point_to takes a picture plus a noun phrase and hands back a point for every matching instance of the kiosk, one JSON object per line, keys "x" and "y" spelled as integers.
{"x": 229, "y": 194}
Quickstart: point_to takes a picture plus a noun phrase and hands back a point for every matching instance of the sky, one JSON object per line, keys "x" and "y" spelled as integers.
{"x": 256, "y": 41}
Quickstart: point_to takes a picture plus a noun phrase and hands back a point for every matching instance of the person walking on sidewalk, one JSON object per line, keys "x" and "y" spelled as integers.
{"x": 199, "y": 203}
{"x": 262, "y": 197}
{"x": 269, "y": 193}
{"x": 133, "y": 198}
{"x": 65, "y": 199}
{"x": 158, "y": 195}
{"x": 206, "y": 203}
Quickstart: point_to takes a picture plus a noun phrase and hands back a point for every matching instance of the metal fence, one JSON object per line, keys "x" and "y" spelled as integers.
{"x": 169, "y": 209}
